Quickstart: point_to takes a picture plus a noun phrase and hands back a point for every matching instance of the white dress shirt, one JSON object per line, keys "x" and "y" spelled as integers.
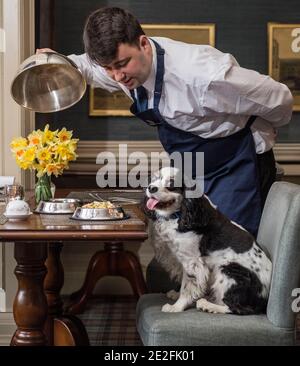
{"x": 207, "y": 93}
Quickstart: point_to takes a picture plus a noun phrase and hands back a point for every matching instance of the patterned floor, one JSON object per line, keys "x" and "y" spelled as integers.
{"x": 110, "y": 321}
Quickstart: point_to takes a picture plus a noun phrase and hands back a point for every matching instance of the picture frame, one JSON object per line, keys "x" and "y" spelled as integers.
{"x": 284, "y": 57}
{"x": 105, "y": 104}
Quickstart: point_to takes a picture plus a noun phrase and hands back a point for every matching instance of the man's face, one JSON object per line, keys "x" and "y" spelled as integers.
{"x": 132, "y": 65}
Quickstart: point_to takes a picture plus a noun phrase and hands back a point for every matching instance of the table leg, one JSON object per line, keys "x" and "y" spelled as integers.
{"x": 113, "y": 260}
{"x": 62, "y": 330}
{"x": 30, "y": 305}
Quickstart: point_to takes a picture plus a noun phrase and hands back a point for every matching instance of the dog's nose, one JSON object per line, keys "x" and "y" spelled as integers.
{"x": 152, "y": 189}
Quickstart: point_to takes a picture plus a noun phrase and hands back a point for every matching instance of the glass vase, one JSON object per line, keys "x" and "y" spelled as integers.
{"x": 43, "y": 189}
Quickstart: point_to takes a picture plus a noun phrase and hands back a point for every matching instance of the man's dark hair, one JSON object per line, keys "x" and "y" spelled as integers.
{"x": 105, "y": 29}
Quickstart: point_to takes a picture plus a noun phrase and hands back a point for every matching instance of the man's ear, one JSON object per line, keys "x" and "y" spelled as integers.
{"x": 195, "y": 215}
{"x": 144, "y": 42}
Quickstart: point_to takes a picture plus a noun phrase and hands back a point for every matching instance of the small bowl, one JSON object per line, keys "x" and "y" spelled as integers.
{"x": 58, "y": 206}
{"x": 99, "y": 214}
{"x": 17, "y": 217}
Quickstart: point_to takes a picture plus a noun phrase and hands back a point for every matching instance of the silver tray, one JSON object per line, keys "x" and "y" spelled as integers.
{"x": 99, "y": 214}
{"x": 57, "y": 206}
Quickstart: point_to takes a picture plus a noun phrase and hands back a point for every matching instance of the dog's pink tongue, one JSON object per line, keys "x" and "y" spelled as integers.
{"x": 151, "y": 203}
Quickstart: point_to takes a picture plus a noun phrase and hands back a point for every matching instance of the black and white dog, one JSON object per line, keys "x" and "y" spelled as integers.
{"x": 218, "y": 263}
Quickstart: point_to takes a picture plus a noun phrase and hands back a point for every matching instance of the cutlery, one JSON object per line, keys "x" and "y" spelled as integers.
{"x": 123, "y": 199}
{"x": 96, "y": 196}
{"x": 129, "y": 190}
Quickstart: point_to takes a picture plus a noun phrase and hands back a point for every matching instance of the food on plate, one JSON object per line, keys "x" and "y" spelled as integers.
{"x": 112, "y": 210}
{"x": 97, "y": 204}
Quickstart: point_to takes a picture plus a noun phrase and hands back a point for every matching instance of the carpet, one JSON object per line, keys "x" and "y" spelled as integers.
{"x": 110, "y": 321}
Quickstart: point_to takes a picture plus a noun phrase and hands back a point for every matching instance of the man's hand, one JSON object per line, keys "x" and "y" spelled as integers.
{"x": 41, "y": 50}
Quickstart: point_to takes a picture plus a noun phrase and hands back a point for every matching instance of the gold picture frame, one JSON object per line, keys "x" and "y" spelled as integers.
{"x": 102, "y": 103}
{"x": 284, "y": 57}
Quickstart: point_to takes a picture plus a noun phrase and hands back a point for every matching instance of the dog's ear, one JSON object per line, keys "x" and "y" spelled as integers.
{"x": 195, "y": 214}
{"x": 144, "y": 208}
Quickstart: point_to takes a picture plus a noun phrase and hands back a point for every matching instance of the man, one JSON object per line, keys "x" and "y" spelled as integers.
{"x": 200, "y": 100}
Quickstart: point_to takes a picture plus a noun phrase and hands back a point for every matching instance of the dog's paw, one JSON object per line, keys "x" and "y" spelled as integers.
{"x": 204, "y": 305}
{"x": 168, "y": 308}
{"x": 209, "y": 307}
{"x": 173, "y": 295}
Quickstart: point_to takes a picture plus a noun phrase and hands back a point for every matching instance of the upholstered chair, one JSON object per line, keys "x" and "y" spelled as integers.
{"x": 279, "y": 235}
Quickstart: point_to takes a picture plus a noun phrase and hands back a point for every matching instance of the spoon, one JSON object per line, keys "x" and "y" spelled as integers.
{"x": 96, "y": 196}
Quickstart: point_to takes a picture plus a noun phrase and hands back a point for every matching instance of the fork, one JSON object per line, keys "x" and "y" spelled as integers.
{"x": 123, "y": 199}
{"x": 96, "y": 196}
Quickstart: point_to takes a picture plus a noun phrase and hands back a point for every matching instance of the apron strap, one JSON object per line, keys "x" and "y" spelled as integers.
{"x": 250, "y": 121}
{"x": 142, "y": 98}
{"x": 160, "y": 52}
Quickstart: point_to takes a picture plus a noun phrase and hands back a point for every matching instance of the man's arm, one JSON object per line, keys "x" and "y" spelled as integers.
{"x": 94, "y": 75}
{"x": 235, "y": 90}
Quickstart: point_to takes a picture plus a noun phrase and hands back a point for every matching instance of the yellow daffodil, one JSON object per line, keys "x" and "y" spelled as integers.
{"x": 35, "y": 138}
{"x": 29, "y": 154}
{"x": 43, "y": 155}
{"x": 18, "y": 143}
{"x": 64, "y": 135}
{"x": 71, "y": 156}
{"x": 25, "y": 165}
{"x": 72, "y": 145}
{"x": 48, "y": 136}
{"x": 20, "y": 153}
{"x": 53, "y": 169}
{"x": 46, "y": 152}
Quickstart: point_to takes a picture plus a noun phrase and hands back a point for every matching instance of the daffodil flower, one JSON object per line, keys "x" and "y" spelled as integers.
{"x": 46, "y": 152}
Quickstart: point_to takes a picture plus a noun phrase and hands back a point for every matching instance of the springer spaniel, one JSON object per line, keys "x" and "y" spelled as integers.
{"x": 220, "y": 266}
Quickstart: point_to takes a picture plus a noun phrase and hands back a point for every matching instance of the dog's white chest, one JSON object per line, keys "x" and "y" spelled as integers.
{"x": 166, "y": 228}
{"x": 166, "y": 233}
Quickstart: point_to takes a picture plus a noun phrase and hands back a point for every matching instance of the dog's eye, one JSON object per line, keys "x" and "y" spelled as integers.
{"x": 171, "y": 186}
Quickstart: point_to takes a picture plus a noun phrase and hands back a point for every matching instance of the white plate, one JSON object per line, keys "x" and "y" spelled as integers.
{"x": 18, "y": 217}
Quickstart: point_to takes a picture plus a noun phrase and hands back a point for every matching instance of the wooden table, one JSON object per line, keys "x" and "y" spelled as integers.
{"x": 38, "y": 308}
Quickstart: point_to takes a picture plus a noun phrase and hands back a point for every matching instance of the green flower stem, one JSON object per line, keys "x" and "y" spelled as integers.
{"x": 43, "y": 189}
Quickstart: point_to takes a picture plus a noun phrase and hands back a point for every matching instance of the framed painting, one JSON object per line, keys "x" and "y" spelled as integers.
{"x": 284, "y": 57}
{"x": 103, "y": 103}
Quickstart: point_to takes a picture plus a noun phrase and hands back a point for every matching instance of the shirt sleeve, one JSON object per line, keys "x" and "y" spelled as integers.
{"x": 94, "y": 75}
{"x": 240, "y": 91}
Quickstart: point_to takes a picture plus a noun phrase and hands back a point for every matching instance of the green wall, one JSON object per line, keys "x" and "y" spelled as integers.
{"x": 241, "y": 29}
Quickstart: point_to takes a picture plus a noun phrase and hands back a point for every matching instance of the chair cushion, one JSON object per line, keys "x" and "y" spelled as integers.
{"x": 279, "y": 234}
{"x": 196, "y": 328}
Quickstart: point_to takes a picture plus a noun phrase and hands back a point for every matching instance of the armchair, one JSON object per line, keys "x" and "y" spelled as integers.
{"x": 279, "y": 234}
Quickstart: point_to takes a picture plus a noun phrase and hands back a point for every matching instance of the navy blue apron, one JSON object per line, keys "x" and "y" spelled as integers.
{"x": 231, "y": 178}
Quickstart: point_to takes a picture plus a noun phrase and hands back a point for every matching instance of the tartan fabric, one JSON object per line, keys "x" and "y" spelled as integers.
{"x": 111, "y": 321}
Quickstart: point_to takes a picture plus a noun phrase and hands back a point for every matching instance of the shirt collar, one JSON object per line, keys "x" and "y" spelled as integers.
{"x": 149, "y": 84}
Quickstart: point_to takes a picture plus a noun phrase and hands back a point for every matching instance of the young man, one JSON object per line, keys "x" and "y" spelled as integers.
{"x": 200, "y": 100}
